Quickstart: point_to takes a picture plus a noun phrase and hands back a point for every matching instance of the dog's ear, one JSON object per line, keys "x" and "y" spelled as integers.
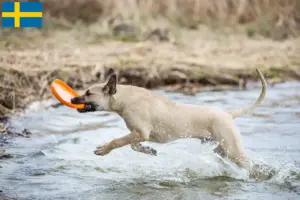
{"x": 109, "y": 73}
{"x": 111, "y": 85}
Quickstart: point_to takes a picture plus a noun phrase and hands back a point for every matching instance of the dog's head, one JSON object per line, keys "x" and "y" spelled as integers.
{"x": 98, "y": 96}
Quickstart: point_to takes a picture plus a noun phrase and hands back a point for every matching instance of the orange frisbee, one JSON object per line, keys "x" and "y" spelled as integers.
{"x": 64, "y": 93}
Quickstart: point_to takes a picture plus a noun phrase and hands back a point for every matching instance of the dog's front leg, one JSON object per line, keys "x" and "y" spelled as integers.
{"x": 131, "y": 138}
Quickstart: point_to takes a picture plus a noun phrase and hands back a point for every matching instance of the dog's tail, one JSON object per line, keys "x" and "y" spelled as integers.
{"x": 243, "y": 111}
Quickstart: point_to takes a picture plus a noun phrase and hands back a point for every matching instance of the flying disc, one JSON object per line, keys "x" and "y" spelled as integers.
{"x": 64, "y": 93}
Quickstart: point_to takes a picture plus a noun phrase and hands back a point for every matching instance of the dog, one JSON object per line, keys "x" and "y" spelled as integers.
{"x": 153, "y": 117}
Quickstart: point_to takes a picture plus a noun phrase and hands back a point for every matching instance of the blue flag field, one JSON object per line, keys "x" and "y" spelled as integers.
{"x": 22, "y": 14}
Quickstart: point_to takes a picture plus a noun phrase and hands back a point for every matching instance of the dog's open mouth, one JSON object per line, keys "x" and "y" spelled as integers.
{"x": 88, "y": 106}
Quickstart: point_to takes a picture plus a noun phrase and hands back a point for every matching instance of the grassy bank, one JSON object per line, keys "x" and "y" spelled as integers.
{"x": 189, "y": 44}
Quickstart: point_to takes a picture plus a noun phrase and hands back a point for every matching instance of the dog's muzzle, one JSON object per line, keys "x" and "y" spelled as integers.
{"x": 88, "y": 106}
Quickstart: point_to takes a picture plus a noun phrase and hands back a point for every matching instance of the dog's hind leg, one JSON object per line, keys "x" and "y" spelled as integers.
{"x": 143, "y": 149}
{"x": 226, "y": 133}
{"x": 217, "y": 150}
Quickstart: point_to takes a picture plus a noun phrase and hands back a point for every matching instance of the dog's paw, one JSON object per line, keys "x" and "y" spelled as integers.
{"x": 144, "y": 149}
{"x": 150, "y": 151}
{"x": 102, "y": 150}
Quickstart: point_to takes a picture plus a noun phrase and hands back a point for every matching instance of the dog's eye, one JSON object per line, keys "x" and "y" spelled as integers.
{"x": 88, "y": 93}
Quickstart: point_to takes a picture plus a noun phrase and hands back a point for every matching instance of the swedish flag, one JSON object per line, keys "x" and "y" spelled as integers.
{"x": 22, "y": 14}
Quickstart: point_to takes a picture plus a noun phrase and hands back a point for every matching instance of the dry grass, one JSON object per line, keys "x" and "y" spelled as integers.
{"x": 263, "y": 16}
{"x": 182, "y": 11}
{"x": 278, "y": 19}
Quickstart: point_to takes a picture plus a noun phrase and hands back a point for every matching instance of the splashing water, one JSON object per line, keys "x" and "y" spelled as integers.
{"x": 57, "y": 162}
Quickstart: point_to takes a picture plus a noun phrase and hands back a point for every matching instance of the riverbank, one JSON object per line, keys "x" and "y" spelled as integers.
{"x": 195, "y": 62}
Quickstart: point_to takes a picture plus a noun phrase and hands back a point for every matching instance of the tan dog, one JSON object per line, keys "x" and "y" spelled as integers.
{"x": 152, "y": 117}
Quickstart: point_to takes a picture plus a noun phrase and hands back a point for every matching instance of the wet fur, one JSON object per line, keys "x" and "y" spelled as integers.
{"x": 153, "y": 117}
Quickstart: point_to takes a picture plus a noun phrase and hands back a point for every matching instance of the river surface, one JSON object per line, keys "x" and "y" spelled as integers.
{"x": 58, "y": 162}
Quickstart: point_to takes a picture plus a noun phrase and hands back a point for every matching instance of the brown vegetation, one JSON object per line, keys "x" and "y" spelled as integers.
{"x": 26, "y": 75}
{"x": 266, "y": 17}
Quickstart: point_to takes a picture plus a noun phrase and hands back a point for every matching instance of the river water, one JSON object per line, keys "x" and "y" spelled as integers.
{"x": 57, "y": 162}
